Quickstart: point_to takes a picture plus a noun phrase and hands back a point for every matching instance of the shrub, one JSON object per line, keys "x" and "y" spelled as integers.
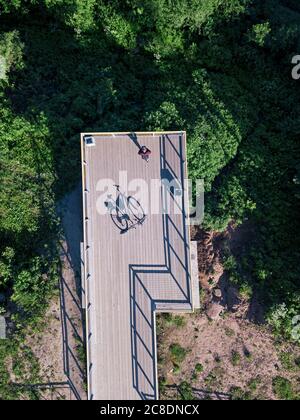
{"x": 229, "y": 332}
{"x": 254, "y": 383}
{"x": 162, "y": 384}
{"x": 287, "y": 361}
{"x": 238, "y": 394}
{"x": 11, "y": 53}
{"x": 229, "y": 263}
{"x": 285, "y": 320}
{"x": 178, "y": 353}
{"x": 235, "y": 358}
{"x": 176, "y": 368}
{"x": 185, "y": 391}
{"x": 283, "y": 389}
{"x": 33, "y": 288}
{"x": 179, "y": 321}
{"x": 199, "y": 368}
{"x": 246, "y": 291}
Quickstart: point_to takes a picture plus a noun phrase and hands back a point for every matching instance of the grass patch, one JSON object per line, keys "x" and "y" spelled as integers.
{"x": 238, "y": 394}
{"x": 254, "y": 383}
{"x": 288, "y": 361}
{"x": 235, "y": 358}
{"x": 214, "y": 377}
{"x": 162, "y": 383}
{"x": 229, "y": 332}
{"x": 178, "y": 353}
{"x": 25, "y": 367}
{"x": 179, "y": 321}
{"x": 80, "y": 349}
{"x": 168, "y": 320}
{"x": 246, "y": 291}
{"x": 185, "y": 391}
{"x": 194, "y": 376}
{"x": 176, "y": 368}
{"x": 199, "y": 368}
{"x": 283, "y": 389}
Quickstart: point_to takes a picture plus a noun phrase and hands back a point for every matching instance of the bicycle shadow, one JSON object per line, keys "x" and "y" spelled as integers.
{"x": 125, "y": 211}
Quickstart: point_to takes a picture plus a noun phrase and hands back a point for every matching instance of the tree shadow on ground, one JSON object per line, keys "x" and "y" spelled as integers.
{"x": 72, "y": 313}
{"x": 178, "y": 392}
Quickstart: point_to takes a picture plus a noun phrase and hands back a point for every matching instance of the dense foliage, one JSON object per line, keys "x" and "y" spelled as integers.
{"x": 219, "y": 69}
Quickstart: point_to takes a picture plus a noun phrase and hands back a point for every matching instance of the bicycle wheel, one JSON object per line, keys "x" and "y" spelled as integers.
{"x": 136, "y": 209}
{"x": 120, "y": 220}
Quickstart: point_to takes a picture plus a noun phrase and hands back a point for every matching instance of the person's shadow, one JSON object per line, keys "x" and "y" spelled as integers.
{"x": 133, "y": 137}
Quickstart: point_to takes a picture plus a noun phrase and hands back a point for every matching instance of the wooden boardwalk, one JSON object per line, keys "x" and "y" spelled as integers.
{"x": 129, "y": 276}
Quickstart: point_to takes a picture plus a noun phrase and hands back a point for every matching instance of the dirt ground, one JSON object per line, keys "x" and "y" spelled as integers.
{"x": 225, "y": 350}
{"x": 58, "y": 345}
{"x": 233, "y": 354}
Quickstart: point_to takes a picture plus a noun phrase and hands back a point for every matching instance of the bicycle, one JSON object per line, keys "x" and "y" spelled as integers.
{"x": 125, "y": 212}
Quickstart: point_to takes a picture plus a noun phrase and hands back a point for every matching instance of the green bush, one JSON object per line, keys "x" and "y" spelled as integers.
{"x": 185, "y": 391}
{"x": 246, "y": 291}
{"x": 288, "y": 361}
{"x": 254, "y": 383}
{"x": 199, "y": 368}
{"x": 11, "y": 53}
{"x": 284, "y": 320}
{"x": 178, "y": 353}
{"x": 33, "y": 287}
{"x": 235, "y": 358}
{"x": 283, "y": 389}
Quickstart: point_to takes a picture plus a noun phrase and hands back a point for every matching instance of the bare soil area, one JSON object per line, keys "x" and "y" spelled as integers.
{"x": 224, "y": 351}
{"x": 221, "y": 358}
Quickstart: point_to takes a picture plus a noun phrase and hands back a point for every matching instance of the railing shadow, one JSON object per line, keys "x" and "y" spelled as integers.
{"x": 142, "y": 303}
{"x": 197, "y": 394}
{"x": 73, "y": 332}
{"x": 53, "y": 387}
{"x": 69, "y": 329}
